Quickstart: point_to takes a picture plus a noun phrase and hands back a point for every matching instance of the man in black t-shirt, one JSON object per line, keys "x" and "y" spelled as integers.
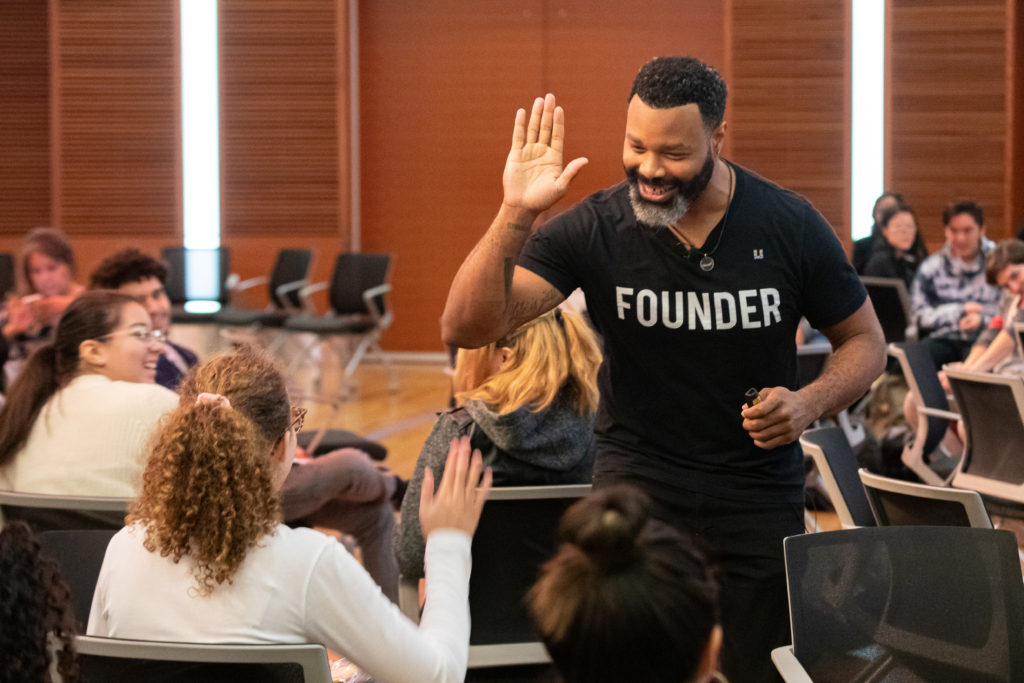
{"x": 696, "y": 273}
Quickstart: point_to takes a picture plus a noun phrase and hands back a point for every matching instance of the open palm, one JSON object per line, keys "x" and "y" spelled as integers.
{"x": 534, "y": 178}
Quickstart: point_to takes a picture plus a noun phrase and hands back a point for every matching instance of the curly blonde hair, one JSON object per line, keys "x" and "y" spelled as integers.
{"x": 553, "y": 352}
{"x": 207, "y": 491}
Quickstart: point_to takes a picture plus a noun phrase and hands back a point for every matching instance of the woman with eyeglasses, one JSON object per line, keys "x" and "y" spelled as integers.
{"x": 78, "y": 419}
{"x": 528, "y": 404}
{"x": 205, "y": 557}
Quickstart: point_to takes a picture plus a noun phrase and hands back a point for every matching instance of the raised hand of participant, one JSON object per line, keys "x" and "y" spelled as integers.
{"x": 780, "y": 418}
{"x": 461, "y": 494}
{"x": 534, "y": 178}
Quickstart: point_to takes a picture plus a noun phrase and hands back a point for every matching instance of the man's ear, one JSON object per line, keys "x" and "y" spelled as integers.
{"x": 93, "y": 353}
{"x": 718, "y": 138}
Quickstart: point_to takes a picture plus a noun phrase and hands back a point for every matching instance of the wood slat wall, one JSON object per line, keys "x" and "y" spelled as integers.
{"x": 789, "y": 99}
{"x": 949, "y": 116}
{"x": 116, "y": 114}
{"x": 440, "y": 85}
{"x": 24, "y": 116}
{"x": 280, "y": 120}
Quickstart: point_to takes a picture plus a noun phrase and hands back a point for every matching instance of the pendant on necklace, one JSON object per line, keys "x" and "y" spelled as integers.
{"x": 707, "y": 263}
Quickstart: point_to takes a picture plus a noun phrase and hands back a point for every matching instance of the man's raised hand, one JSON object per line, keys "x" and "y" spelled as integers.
{"x": 534, "y": 178}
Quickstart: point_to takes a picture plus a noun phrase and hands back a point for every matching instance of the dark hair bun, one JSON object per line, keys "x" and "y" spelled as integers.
{"x": 606, "y": 525}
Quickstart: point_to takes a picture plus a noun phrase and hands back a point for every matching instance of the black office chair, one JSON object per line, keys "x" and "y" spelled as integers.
{"x": 114, "y": 660}
{"x": 922, "y": 455}
{"x": 895, "y": 502}
{"x": 79, "y": 553}
{"x": 891, "y": 302}
{"x": 44, "y": 512}
{"x": 837, "y": 465}
{"x": 904, "y": 603}
{"x": 287, "y": 277}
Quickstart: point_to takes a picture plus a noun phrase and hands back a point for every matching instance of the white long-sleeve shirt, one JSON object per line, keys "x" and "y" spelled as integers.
{"x": 297, "y": 586}
{"x": 91, "y": 438}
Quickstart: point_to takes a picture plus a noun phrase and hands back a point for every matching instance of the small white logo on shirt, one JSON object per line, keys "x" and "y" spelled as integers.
{"x": 759, "y": 254}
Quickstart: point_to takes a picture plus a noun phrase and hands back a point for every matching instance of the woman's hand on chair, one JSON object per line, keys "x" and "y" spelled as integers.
{"x": 460, "y": 496}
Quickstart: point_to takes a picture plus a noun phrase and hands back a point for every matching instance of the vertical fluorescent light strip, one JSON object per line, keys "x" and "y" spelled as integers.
{"x": 200, "y": 146}
{"x": 868, "y": 115}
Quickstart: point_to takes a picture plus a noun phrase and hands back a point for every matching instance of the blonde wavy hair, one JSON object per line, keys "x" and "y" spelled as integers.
{"x": 548, "y": 353}
{"x": 207, "y": 490}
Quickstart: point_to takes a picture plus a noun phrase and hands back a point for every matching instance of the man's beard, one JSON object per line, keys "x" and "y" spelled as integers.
{"x": 686, "y": 192}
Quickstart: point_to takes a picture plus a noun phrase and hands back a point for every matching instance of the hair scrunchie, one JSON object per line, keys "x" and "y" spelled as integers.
{"x": 215, "y": 400}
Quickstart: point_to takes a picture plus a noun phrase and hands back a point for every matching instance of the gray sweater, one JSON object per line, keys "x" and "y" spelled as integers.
{"x": 522, "y": 448}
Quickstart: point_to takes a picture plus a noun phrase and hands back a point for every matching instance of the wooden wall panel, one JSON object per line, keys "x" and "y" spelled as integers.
{"x": 949, "y": 114}
{"x": 280, "y": 119}
{"x": 440, "y": 86}
{"x": 116, "y": 119}
{"x": 789, "y": 111}
{"x": 24, "y": 116}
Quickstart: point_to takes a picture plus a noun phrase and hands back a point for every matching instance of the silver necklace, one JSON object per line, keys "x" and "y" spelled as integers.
{"x": 707, "y": 263}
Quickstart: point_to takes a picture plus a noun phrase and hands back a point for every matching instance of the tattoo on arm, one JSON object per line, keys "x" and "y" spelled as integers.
{"x": 521, "y": 311}
{"x": 518, "y": 227}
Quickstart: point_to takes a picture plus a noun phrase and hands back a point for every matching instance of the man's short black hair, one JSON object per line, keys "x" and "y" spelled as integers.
{"x": 668, "y": 82}
{"x": 130, "y": 265}
{"x": 963, "y": 206}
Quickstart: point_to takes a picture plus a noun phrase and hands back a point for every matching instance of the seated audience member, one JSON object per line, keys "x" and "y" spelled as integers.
{"x": 143, "y": 277}
{"x": 950, "y": 300}
{"x": 206, "y": 559}
{"x": 901, "y": 250}
{"x": 863, "y": 247}
{"x": 37, "y": 635}
{"x": 46, "y": 272}
{"x": 529, "y": 404}
{"x": 78, "y": 419}
{"x": 340, "y": 490}
{"x": 627, "y": 597}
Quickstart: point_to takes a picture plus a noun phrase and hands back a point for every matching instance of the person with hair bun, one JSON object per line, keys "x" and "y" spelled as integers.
{"x": 205, "y": 557}
{"x": 79, "y": 417}
{"x": 627, "y": 597}
{"x": 37, "y": 636}
{"x": 528, "y": 404}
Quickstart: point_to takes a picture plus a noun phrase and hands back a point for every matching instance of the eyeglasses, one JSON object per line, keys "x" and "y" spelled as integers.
{"x": 298, "y": 419}
{"x": 144, "y": 336}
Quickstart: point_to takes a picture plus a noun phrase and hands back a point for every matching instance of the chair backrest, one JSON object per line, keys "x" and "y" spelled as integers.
{"x": 117, "y": 660}
{"x": 353, "y": 275}
{"x": 895, "y": 502}
{"x": 923, "y": 383}
{"x": 44, "y": 512}
{"x": 291, "y": 265}
{"x": 197, "y": 274}
{"x": 811, "y": 360}
{"x": 7, "y": 277}
{"x": 992, "y": 409}
{"x": 917, "y": 603}
{"x": 891, "y": 303}
{"x": 837, "y": 465}
{"x": 79, "y": 553}
{"x": 515, "y": 536}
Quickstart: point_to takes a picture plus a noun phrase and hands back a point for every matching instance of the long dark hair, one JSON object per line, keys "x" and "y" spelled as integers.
{"x": 624, "y": 582}
{"x": 90, "y": 316}
{"x": 35, "y": 605}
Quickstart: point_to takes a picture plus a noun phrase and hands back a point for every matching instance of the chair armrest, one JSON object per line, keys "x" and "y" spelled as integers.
{"x": 307, "y": 291}
{"x": 241, "y": 285}
{"x": 287, "y": 287}
{"x": 368, "y": 298}
{"x": 231, "y": 281}
{"x": 788, "y": 666}
{"x": 936, "y": 412}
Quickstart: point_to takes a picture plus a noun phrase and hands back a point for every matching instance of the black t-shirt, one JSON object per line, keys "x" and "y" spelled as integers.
{"x": 681, "y": 346}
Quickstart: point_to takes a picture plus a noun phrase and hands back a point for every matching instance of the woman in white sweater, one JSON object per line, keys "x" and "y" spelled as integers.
{"x": 206, "y": 559}
{"x": 78, "y": 419}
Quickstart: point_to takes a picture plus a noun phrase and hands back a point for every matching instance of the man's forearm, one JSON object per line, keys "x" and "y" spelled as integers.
{"x": 854, "y": 365}
{"x": 476, "y": 311}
